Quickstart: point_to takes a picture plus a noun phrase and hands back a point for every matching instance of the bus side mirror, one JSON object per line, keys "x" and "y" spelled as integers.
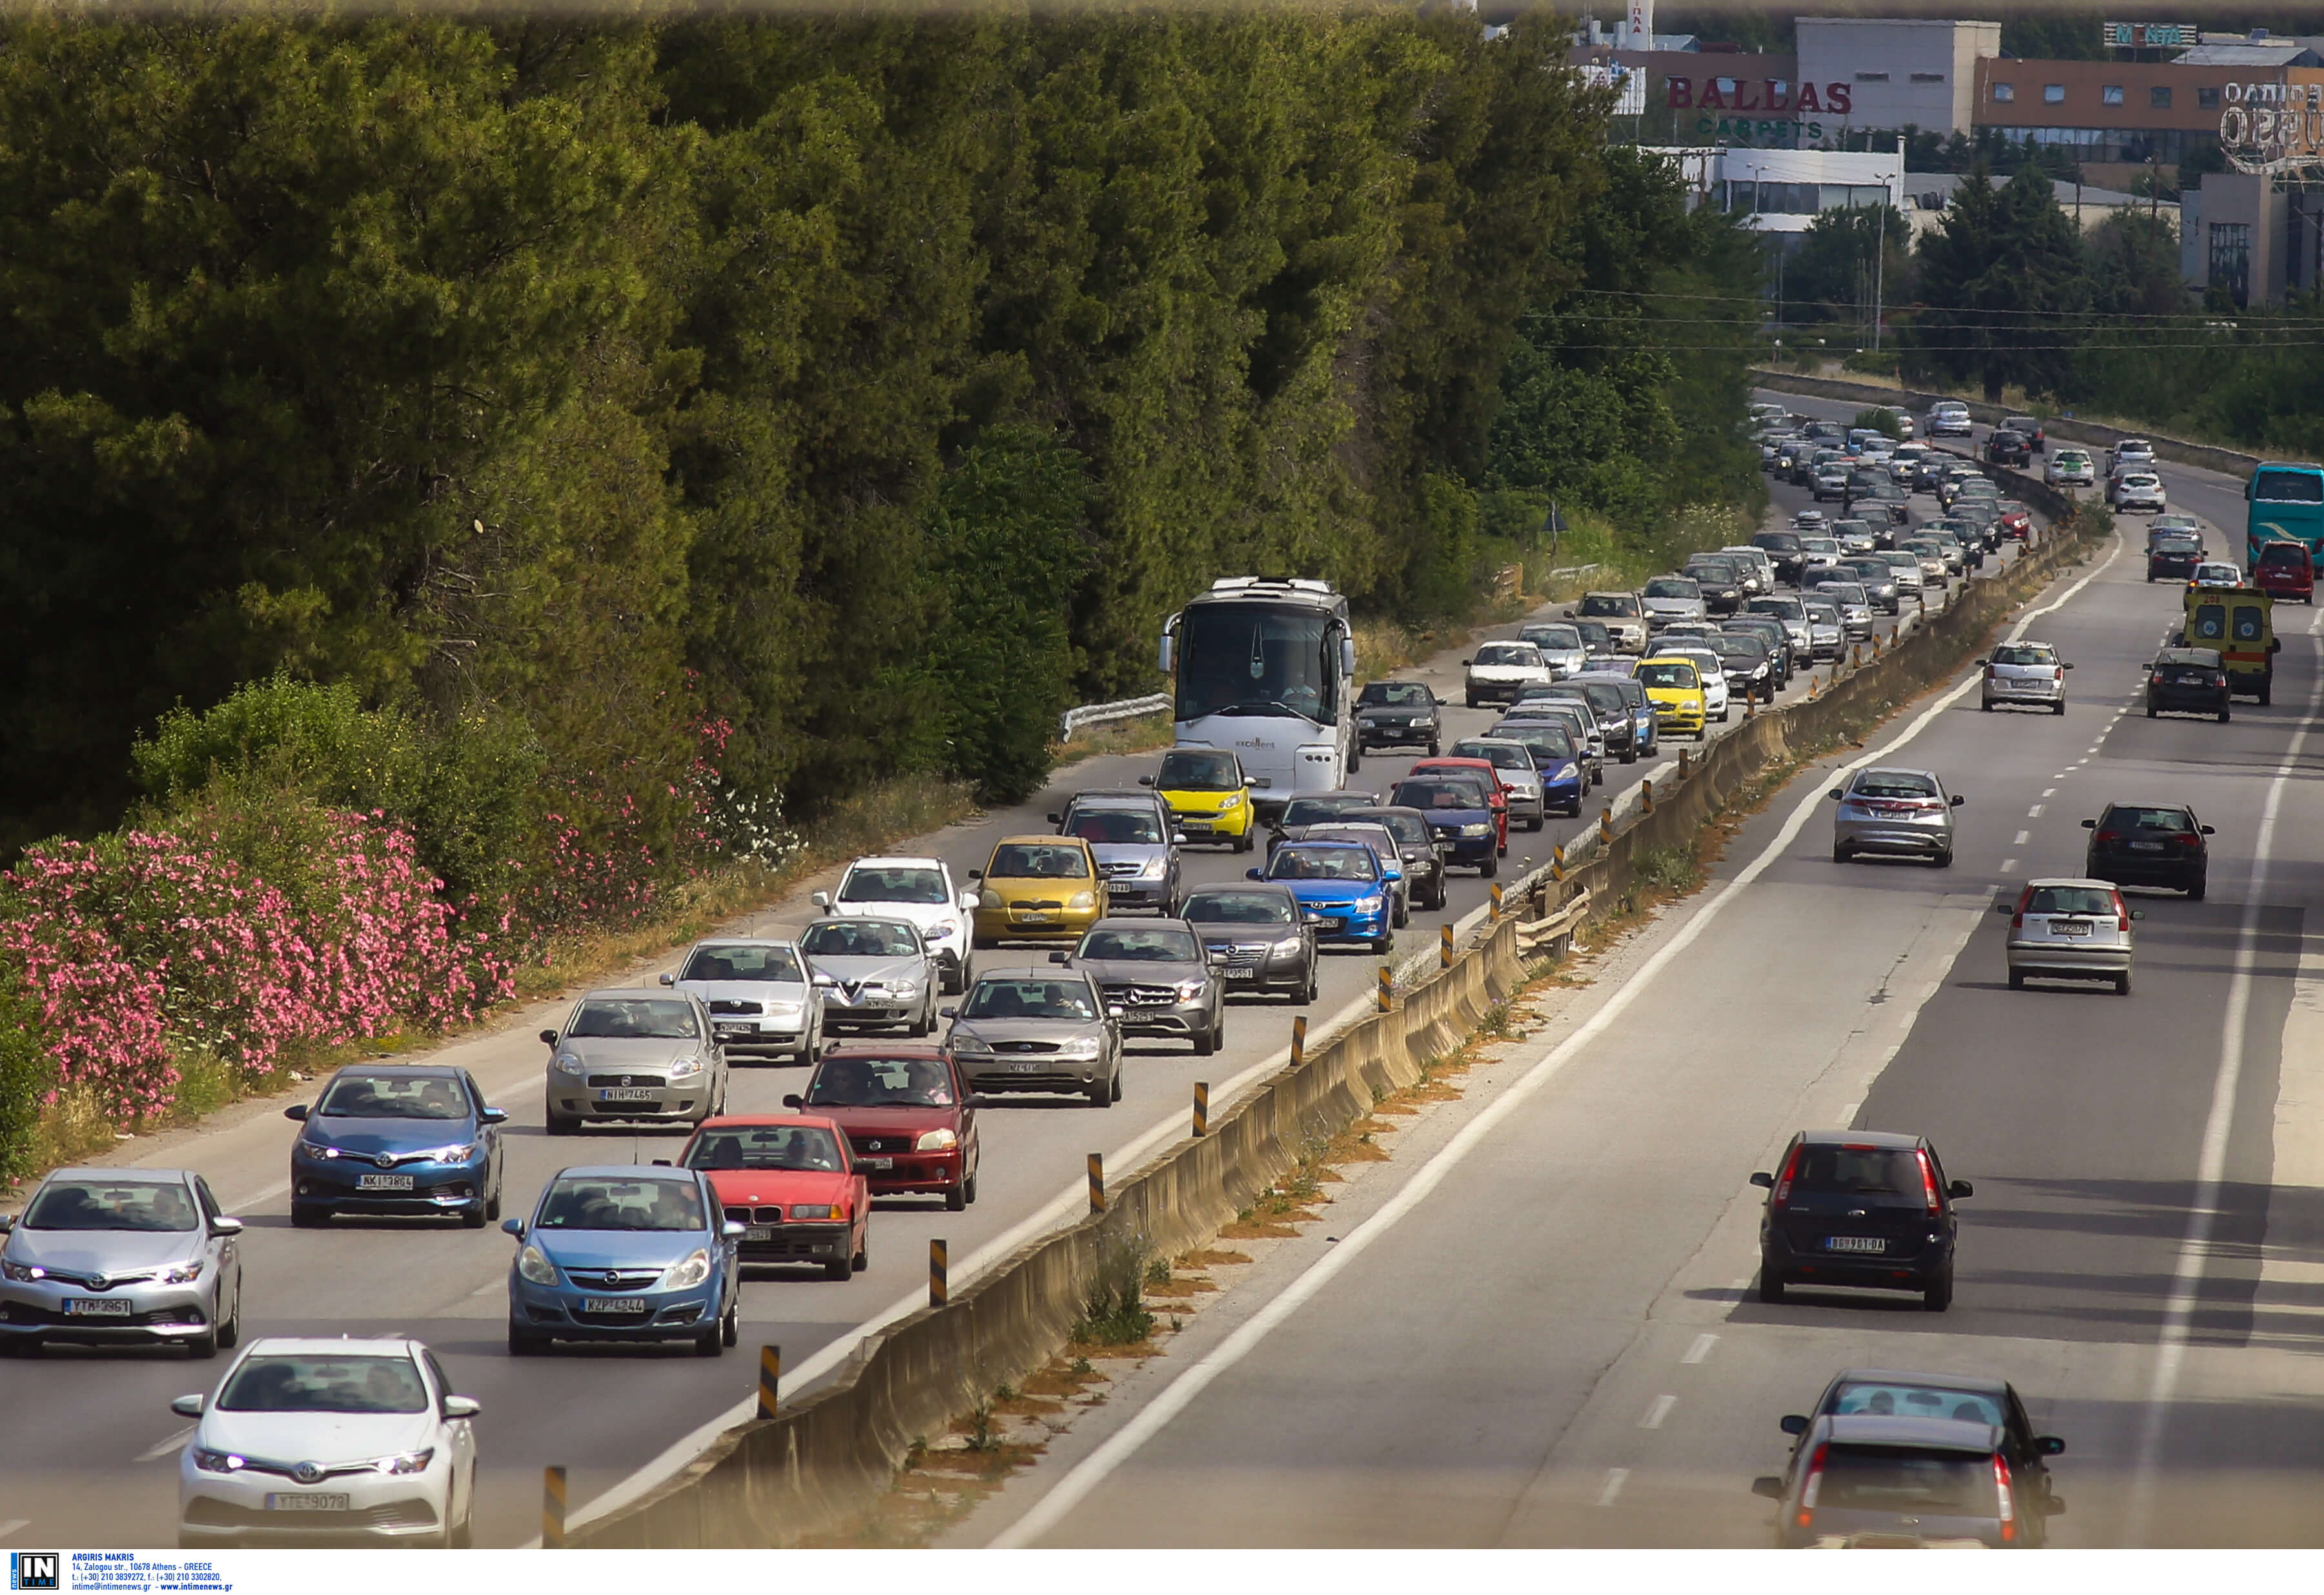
{"x": 1163, "y": 662}
{"x": 1347, "y": 656}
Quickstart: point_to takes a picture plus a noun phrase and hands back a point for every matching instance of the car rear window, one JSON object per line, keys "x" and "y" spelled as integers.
{"x": 1895, "y": 783}
{"x": 2068, "y": 899}
{"x": 1117, "y": 826}
{"x": 2023, "y": 653}
{"x": 1857, "y": 1171}
{"x": 1426, "y": 795}
{"x": 1887, "y": 1399}
{"x": 1927, "y": 1482}
{"x": 2289, "y": 554}
{"x": 2147, "y": 819}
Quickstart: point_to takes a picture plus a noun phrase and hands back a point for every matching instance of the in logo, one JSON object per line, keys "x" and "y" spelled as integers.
{"x": 35, "y": 1570}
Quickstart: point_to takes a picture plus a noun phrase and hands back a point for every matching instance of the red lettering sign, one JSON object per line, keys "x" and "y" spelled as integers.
{"x": 1808, "y": 100}
{"x": 1681, "y": 91}
{"x": 1776, "y": 99}
{"x": 1743, "y": 99}
{"x": 1711, "y": 100}
{"x": 1836, "y": 97}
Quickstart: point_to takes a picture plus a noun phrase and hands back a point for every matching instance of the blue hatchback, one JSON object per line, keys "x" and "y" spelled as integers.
{"x": 1459, "y": 818}
{"x": 624, "y": 1253}
{"x": 397, "y": 1140}
{"x": 1341, "y": 887}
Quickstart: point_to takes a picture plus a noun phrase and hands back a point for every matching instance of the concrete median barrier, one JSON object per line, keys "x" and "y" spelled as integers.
{"x": 816, "y": 1468}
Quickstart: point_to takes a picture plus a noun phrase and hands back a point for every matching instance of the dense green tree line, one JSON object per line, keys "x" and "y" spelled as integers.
{"x": 867, "y": 386}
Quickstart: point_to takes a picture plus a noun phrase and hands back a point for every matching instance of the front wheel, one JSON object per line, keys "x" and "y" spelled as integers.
{"x": 1242, "y": 844}
{"x": 1489, "y": 868}
{"x": 1380, "y": 944}
{"x": 956, "y": 1199}
{"x": 2150, "y": 713}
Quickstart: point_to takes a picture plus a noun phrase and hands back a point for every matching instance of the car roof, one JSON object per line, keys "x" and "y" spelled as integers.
{"x": 746, "y": 941}
{"x": 1044, "y": 836}
{"x": 1887, "y": 1140}
{"x": 2085, "y": 880}
{"x": 1897, "y": 769}
{"x": 872, "y": 1046}
{"x": 290, "y": 1345}
{"x": 1142, "y": 922}
{"x": 1935, "y": 1433}
{"x": 1038, "y": 972}
{"x": 406, "y": 1071}
{"x": 1139, "y": 795}
{"x": 1212, "y": 888}
{"x": 895, "y": 862}
{"x": 159, "y": 1177}
{"x": 764, "y": 1120}
{"x": 1335, "y": 792}
{"x": 616, "y": 1171}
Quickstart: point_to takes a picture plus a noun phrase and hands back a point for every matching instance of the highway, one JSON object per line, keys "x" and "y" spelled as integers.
{"x": 1535, "y": 1326}
{"x": 620, "y": 1419}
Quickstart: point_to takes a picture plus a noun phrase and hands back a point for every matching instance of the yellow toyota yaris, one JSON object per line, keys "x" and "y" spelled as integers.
{"x": 1675, "y": 690}
{"x": 1208, "y": 793}
{"x": 1037, "y": 889}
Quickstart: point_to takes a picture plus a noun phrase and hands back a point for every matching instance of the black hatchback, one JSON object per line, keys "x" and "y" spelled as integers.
{"x": 2188, "y": 681}
{"x": 1862, "y": 1209}
{"x": 2174, "y": 551}
{"x": 2150, "y": 844}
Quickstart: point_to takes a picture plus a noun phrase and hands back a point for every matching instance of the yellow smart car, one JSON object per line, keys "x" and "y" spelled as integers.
{"x": 1037, "y": 889}
{"x": 1208, "y": 793}
{"x": 1675, "y": 690}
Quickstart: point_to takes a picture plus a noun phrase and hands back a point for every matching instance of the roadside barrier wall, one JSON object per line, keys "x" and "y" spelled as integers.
{"x": 818, "y": 1466}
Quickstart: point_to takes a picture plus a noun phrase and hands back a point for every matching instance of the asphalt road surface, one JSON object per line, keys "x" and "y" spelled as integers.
{"x": 1535, "y": 1326}
{"x": 103, "y": 1471}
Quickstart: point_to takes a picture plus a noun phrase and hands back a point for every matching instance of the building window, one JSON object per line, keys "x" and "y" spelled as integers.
{"x": 1872, "y": 77}
{"x": 1927, "y": 77}
{"x": 2054, "y": 93}
{"x": 2111, "y": 94}
{"x": 2159, "y": 97}
{"x": 2231, "y": 259}
{"x": 2004, "y": 92}
{"x": 2208, "y": 98}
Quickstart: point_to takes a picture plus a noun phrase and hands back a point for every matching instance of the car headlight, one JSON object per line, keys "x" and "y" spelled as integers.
{"x": 1476, "y": 830}
{"x": 181, "y": 1273}
{"x": 691, "y": 1269}
{"x": 988, "y": 899}
{"x": 1233, "y": 800}
{"x": 937, "y": 933}
{"x": 1081, "y": 1046}
{"x": 903, "y": 991}
{"x": 533, "y": 1264}
{"x": 216, "y": 1462}
{"x": 410, "y": 1462}
{"x": 1082, "y": 902}
{"x": 1290, "y": 949}
{"x": 1567, "y": 772}
{"x": 451, "y": 1154}
{"x": 21, "y": 1273}
{"x": 1190, "y": 991}
{"x": 785, "y": 1010}
{"x": 320, "y": 1154}
{"x": 936, "y": 1140}
{"x": 680, "y": 1068}
{"x": 568, "y": 1063}
{"x": 1152, "y": 869}
{"x": 970, "y": 1042}
{"x": 812, "y": 1210}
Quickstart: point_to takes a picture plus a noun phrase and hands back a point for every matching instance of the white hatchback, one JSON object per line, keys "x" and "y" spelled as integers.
{"x": 329, "y": 1441}
{"x": 920, "y": 889}
{"x": 2070, "y": 929}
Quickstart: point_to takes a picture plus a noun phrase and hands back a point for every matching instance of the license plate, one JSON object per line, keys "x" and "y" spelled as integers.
{"x": 627, "y": 1093}
{"x": 97, "y": 1306}
{"x": 758, "y": 1232}
{"x": 875, "y": 1163}
{"x": 1024, "y": 1065}
{"x": 615, "y": 1305}
{"x": 1327, "y": 923}
{"x": 2146, "y": 847}
{"x": 1032, "y": 919}
{"x": 383, "y": 1182}
{"x": 1854, "y": 1243}
{"x": 306, "y": 1503}
{"x": 734, "y": 1027}
{"x": 1242, "y": 974}
{"x": 2069, "y": 927}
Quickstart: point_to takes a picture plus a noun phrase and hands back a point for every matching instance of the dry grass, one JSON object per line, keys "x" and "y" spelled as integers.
{"x": 1120, "y": 736}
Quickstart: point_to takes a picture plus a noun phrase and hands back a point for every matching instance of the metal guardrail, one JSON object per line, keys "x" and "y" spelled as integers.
{"x": 1089, "y": 714}
{"x": 1564, "y": 571}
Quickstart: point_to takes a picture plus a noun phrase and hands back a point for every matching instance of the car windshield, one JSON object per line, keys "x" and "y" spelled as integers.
{"x": 1673, "y": 673}
{"x": 1508, "y": 653}
{"x": 1162, "y": 944}
{"x": 1428, "y": 795}
{"x": 1409, "y": 829}
{"x": 1507, "y": 757}
{"x": 1822, "y": 614}
{"x": 613, "y": 1201}
{"x": 1038, "y": 861}
{"x": 1119, "y": 826}
{"x": 2023, "y": 653}
{"x": 1308, "y": 811}
{"x": 342, "y": 1384}
{"x": 1842, "y": 591}
{"x": 1399, "y": 695}
{"x": 1857, "y": 1171}
{"x": 860, "y": 939}
{"x": 1550, "y": 740}
{"x": 370, "y": 1096}
{"x": 744, "y": 963}
{"x": 1302, "y": 862}
{"x": 1729, "y": 646}
{"x": 1895, "y": 783}
{"x": 634, "y": 1019}
{"x": 1239, "y": 908}
{"x": 846, "y": 1081}
{"x": 1710, "y": 570}
{"x": 1777, "y": 541}
{"x": 2068, "y": 899}
{"x": 1593, "y": 634}
{"x": 2148, "y": 819}
{"x": 1565, "y": 638}
{"x": 1029, "y": 999}
{"x": 151, "y": 1206}
{"x": 1893, "y": 1398}
{"x": 1673, "y": 586}
{"x": 1924, "y": 1481}
{"x": 1192, "y": 770}
{"x": 892, "y": 884}
{"x": 803, "y": 1146}
{"x": 1610, "y": 603}
{"x": 1781, "y": 608}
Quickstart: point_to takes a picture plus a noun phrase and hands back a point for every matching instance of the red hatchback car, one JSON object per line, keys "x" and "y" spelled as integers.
{"x": 790, "y": 1180}
{"x": 2285, "y": 572}
{"x": 1494, "y": 788}
{"x": 908, "y": 1116}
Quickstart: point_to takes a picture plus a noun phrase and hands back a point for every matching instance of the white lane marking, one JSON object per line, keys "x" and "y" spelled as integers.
{"x": 1701, "y": 1347}
{"x": 9, "y": 1525}
{"x": 1660, "y": 1410}
{"x": 2022, "y": 837}
{"x": 1174, "y": 1397}
{"x": 1848, "y": 1115}
{"x": 1615, "y": 1478}
{"x": 2047, "y": 791}
{"x": 2009, "y": 866}
{"x": 2218, "y": 1127}
{"x": 169, "y": 1447}
{"x": 256, "y": 1198}
{"x": 2033, "y": 812}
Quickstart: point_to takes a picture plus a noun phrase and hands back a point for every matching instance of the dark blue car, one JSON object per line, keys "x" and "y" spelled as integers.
{"x": 397, "y": 1140}
{"x": 1554, "y": 758}
{"x": 1460, "y": 816}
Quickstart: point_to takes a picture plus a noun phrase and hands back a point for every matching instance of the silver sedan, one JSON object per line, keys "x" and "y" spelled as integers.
{"x": 1904, "y": 812}
{"x": 121, "y": 1256}
{"x": 632, "y": 1055}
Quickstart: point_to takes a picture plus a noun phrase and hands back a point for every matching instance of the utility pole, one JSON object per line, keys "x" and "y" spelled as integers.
{"x": 1879, "y": 262}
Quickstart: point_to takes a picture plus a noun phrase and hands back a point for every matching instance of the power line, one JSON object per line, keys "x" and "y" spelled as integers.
{"x": 1740, "y": 298}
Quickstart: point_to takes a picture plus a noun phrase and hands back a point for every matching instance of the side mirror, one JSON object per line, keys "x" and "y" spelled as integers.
{"x": 1769, "y": 1485}
{"x": 2004, "y": 908}
{"x": 661, "y": 1163}
{"x": 826, "y": 981}
{"x": 667, "y": 979}
{"x": 1220, "y": 957}
{"x": 1057, "y": 820}
{"x": 1145, "y": 780}
{"x": 297, "y": 1113}
{"x": 1833, "y": 793}
{"x": 515, "y": 1227}
{"x": 968, "y": 902}
{"x": 2068, "y": 667}
{"x": 1959, "y": 1188}
{"x": 2049, "y": 1445}
{"x": 1467, "y": 661}
{"x": 1262, "y": 781}
{"x": 821, "y": 900}
{"x": 2089, "y": 825}
{"x": 732, "y": 1230}
{"x": 1959, "y": 801}
{"x": 974, "y": 875}
{"x": 1566, "y": 612}
{"x": 494, "y": 1116}
{"x": 1764, "y": 1180}
{"x": 1254, "y": 874}
{"x": 1061, "y": 957}
{"x": 187, "y": 1407}
{"x": 222, "y": 1225}
{"x": 8, "y": 1222}
{"x": 2208, "y": 831}
{"x": 461, "y": 1406}
{"x": 947, "y": 1013}
{"x": 794, "y": 1101}
{"x": 1115, "y": 1013}
{"x": 1177, "y": 838}
{"x": 1792, "y": 1424}
{"x": 2138, "y": 913}
{"x": 549, "y": 1037}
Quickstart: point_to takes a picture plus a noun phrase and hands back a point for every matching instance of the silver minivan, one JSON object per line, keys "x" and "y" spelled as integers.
{"x": 1899, "y": 812}
{"x": 2070, "y": 929}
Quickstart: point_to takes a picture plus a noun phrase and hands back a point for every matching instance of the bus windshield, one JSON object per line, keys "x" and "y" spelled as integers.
{"x": 1252, "y": 658}
{"x": 2287, "y": 506}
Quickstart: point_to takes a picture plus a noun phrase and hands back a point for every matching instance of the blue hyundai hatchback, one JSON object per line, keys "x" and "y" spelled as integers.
{"x": 1341, "y": 887}
{"x": 624, "y": 1253}
{"x": 1460, "y": 817}
{"x": 397, "y": 1140}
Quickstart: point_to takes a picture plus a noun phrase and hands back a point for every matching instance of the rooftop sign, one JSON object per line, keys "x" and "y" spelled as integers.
{"x": 2152, "y": 35}
{"x": 2272, "y": 128}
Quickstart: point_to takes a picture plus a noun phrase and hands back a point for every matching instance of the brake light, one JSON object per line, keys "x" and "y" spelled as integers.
{"x": 1814, "y": 1484}
{"x": 1991, "y": 671}
{"x": 1928, "y": 1182}
{"x": 1782, "y": 1196}
{"x": 2008, "y": 1506}
{"x": 2110, "y": 837}
{"x": 2121, "y": 915}
{"x": 2017, "y": 920}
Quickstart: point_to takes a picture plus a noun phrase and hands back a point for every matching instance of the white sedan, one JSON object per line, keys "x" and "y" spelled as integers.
{"x": 356, "y": 1441}
{"x": 2139, "y": 490}
{"x": 1501, "y": 671}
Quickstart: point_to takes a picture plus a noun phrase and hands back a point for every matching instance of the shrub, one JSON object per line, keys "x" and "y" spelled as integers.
{"x": 27, "y": 1078}
{"x": 1115, "y": 1313}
